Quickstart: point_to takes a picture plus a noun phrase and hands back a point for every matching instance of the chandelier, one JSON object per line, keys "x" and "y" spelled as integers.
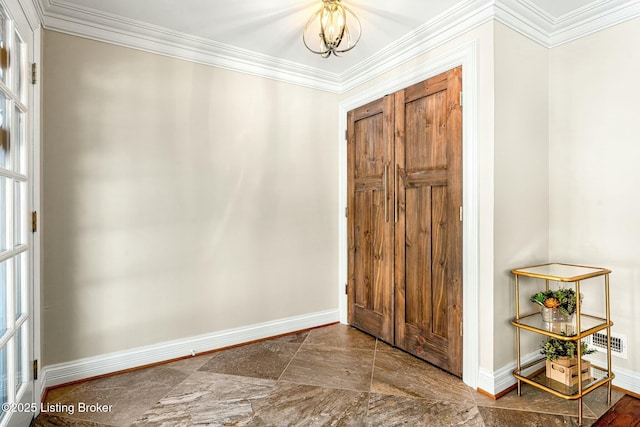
{"x": 328, "y": 30}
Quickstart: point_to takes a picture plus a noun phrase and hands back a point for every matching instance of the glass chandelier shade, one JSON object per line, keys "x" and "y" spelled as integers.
{"x": 333, "y": 29}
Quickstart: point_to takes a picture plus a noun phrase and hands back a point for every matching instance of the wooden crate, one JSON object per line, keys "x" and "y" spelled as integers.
{"x": 567, "y": 373}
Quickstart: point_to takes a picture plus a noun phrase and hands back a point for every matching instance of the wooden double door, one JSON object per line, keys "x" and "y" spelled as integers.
{"x": 404, "y": 219}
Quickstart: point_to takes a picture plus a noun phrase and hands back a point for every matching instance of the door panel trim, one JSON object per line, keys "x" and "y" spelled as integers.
{"x": 466, "y": 56}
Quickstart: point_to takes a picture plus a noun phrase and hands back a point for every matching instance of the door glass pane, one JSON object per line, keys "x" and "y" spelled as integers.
{"x": 19, "y": 141}
{"x": 20, "y": 233}
{"x": 21, "y": 284}
{"x": 21, "y": 360}
{"x": 5, "y": 212}
{"x": 4, "y": 283}
{"x": 19, "y": 64}
{"x": 5, "y": 155}
{"x": 4, "y": 52}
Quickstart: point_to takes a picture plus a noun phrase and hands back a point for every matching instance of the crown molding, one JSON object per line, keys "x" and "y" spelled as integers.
{"x": 525, "y": 18}
{"x": 592, "y": 18}
{"x": 101, "y": 26}
{"x": 522, "y": 16}
{"x": 463, "y": 17}
{"x": 528, "y": 19}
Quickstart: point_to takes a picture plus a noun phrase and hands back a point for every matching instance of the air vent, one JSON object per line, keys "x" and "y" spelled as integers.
{"x": 598, "y": 341}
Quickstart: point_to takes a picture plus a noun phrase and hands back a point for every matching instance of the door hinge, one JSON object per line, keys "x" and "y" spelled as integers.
{"x": 460, "y": 213}
{"x": 34, "y": 221}
{"x": 346, "y": 135}
{"x": 346, "y": 211}
{"x": 34, "y": 73}
{"x": 461, "y": 328}
{"x": 35, "y": 369}
{"x": 461, "y": 97}
{"x": 346, "y": 289}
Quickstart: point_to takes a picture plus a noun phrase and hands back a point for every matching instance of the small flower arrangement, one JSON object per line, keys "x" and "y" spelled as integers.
{"x": 564, "y": 299}
{"x": 554, "y": 348}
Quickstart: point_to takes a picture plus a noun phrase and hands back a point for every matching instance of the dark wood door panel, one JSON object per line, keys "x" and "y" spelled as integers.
{"x": 405, "y": 236}
{"x": 428, "y": 238}
{"x": 426, "y": 259}
{"x": 370, "y": 227}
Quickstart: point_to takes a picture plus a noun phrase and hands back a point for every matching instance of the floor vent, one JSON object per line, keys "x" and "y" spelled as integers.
{"x": 598, "y": 341}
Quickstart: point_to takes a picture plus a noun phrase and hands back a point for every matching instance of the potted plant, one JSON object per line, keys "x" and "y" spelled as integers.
{"x": 565, "y": 351}
{"x": 557, "y": 306}
{"x": 561, "y": 363}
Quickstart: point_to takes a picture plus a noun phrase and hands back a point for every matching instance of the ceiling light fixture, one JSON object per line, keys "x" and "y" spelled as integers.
{"x": 339, "y": 29}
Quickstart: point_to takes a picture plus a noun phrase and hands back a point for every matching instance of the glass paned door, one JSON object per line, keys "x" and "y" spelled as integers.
{"x": 16, "y": 342}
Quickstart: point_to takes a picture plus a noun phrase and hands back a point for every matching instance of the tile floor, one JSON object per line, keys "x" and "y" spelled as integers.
{"x": 332, "y": 376}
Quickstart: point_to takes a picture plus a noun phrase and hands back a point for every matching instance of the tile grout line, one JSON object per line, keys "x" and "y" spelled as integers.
{"x": 373, "y": 367}
{"x": 293, "y": 357}
{"x": 373, "y": 364}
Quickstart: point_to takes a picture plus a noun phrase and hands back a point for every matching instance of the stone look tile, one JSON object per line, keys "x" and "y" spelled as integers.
{"x": 190, "y": 363}
{"x": 340, "y": 336}
{"x": 596, "y": 401}
{"x": 399, "y": 410}
{"x": 331, "y": 367}
{"x": 265, "y": 359}
{"x": 129, "y": 395}
{"x": 207, "y": 399}
{"x": 398, "y": 373}
{"x": 302, "y": 405}
{"x": 48, "y": 420}
{"x": 330, "y": 376}
{"x": 498, "y": 417}
{"x": 534, "y": 400}
{"x": 297, "y": 338}
{"x": 383, "y": 346}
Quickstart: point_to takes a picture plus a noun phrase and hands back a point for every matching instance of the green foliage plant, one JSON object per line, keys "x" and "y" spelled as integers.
{"x": 554, "y": 348}
{"x": 564, "y": 299}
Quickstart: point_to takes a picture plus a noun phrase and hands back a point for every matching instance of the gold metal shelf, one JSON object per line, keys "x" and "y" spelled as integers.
{"x": 534, "y": 374}
{"x": 588, "y": 324}
{"x": 560, "y": 272}
{"x": 582, "y": 326}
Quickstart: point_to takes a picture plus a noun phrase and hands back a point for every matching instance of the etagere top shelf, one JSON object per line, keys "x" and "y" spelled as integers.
{"x": 561, "y": 272}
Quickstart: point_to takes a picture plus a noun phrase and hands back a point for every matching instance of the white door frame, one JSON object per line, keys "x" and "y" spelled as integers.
{"x": 36, "y": 206}
{"x": 466, "y": 56}
{"x": 27, "y": 23}
{"x": 30, "y": 9}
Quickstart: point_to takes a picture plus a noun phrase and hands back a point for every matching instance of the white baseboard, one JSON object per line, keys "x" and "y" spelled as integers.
{"x": 496, "y": 382}
{"x": 500, "y": 380}
{"x": 80, "y": 369}
{"x": 627, "y": 380}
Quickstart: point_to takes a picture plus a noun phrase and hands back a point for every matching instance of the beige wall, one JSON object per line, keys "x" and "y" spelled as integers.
{"x": 179, "y": 199}
{"x": 594, "y": 173}
{"x": 521, "y": 189}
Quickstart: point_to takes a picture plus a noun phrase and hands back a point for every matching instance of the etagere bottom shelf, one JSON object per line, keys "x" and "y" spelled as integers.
{"x": 534, "y": 374}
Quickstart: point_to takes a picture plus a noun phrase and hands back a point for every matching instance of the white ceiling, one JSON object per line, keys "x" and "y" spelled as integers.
{"x": 269, "y": 32}
{"x": 274, "y": 27}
